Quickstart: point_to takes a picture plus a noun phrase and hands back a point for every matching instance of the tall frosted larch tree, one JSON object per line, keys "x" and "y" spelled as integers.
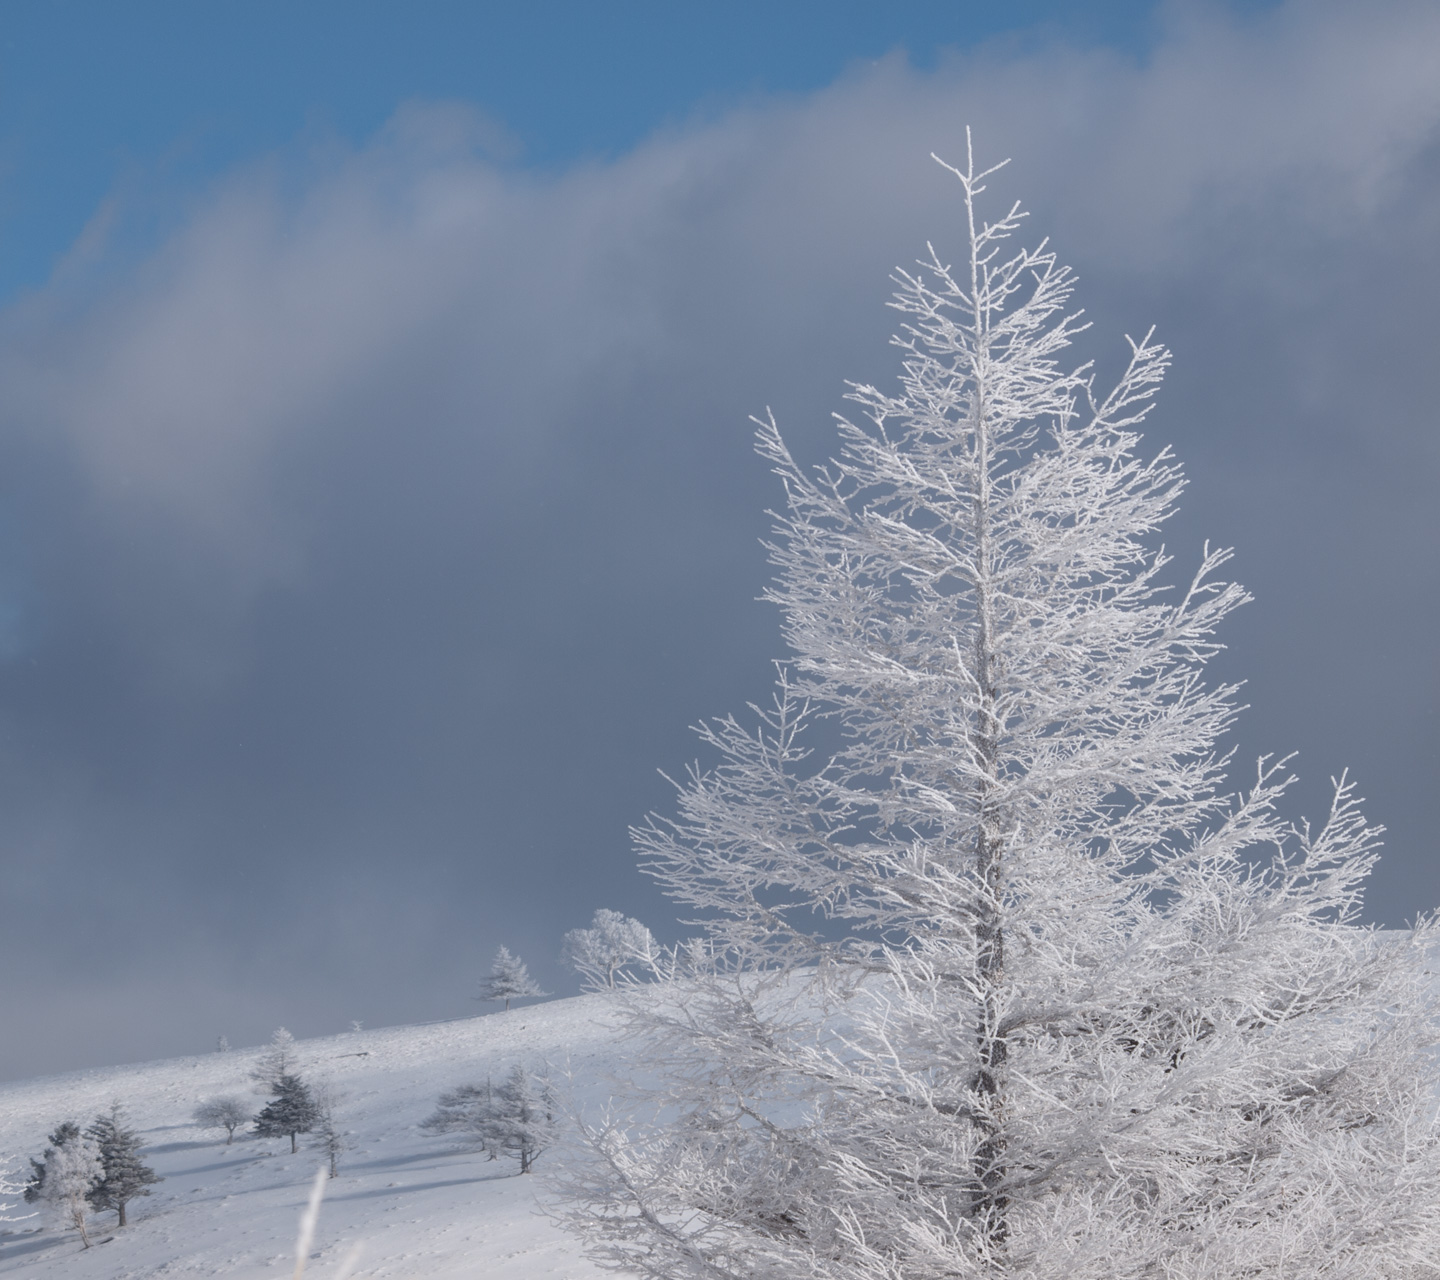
{"x": 999, "y": 975}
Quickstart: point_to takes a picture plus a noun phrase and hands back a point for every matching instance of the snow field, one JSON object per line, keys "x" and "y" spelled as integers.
{"x": 418, "y": 1205}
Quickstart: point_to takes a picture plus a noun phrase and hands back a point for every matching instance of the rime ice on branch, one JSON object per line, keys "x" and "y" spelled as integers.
{"x": 1000, "y": 976}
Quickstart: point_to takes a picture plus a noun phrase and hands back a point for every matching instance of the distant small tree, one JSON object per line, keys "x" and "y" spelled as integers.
{"x": 222, "y": 1045}
{"x": 227, "y": 1113}
{"x": 612, "y": 942}
{"x": 465, "y": 1110}
{"x": 65, "y": 1132}
{"x": 509, "y": 980}
{"x": 123, "y": 1175}
{"x": 292, "y": 1111}
{"x": 329, "y": 1137}
{"x": 523, "y": 1116}
{"x": 516, "y": 1118}
{"x": 277, "y": 1060}
{"x": 72, "y": 1170}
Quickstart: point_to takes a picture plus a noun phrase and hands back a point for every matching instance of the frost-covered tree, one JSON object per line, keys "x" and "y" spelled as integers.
{"x": 465, "y": 1110}
{"x": 509, "y": 980}
{"x": 523, "y": 1116}
{"x": 291, "y": 1111}
{"x": 227, "y": 1112}
{"x": 65, "y": 1132}
{"x": 123, "y": 1175}
{"x": 277, "y": 1060}
{"x": 515, "y": 1118}
{"x": 72, "y": 1170}
{"x": 611, "y": 944}
{"x": 329, "y": 1136}
{"x": 1001, "y": 977}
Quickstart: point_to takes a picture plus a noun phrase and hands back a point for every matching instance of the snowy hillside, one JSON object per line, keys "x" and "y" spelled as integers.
{"x": 417, "y": 1204}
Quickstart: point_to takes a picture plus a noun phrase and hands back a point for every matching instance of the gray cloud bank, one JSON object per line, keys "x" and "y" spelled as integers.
{"x": 367, "y": 546}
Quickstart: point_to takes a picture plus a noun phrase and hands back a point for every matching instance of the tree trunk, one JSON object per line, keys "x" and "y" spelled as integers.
{"x": 120, "y": 1210}
{"x": 988, "y": 1203}
{"x": 293, "y": 1147}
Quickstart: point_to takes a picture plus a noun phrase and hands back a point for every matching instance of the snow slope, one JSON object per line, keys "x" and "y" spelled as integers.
{"x": 417, "y": 1205}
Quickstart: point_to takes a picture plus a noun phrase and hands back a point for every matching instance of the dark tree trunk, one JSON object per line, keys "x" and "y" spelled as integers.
{"x": 988, "y": 1201}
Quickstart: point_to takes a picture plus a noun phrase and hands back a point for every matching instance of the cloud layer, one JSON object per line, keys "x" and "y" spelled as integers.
{"x": 366, "y": 547}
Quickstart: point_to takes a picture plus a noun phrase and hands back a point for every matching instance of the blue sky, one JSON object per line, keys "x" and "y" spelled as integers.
{"x": 377, "y": 500}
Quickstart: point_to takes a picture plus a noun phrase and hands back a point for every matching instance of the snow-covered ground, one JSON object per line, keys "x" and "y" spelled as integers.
{"x": 417, "y": 1205}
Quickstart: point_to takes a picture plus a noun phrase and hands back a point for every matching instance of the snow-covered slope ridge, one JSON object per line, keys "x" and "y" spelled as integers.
{"x": 417, "y": 1204}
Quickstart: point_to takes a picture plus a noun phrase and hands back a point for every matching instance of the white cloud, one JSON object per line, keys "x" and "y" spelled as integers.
{"x": 267, "y": 313}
